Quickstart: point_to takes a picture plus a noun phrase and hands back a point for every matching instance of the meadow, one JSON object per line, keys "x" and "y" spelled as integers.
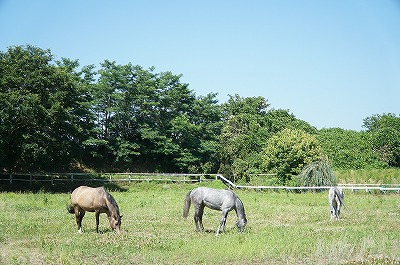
{"x": 283, "y": 228}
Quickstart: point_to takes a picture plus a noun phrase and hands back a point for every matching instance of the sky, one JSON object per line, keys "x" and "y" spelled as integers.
{"x": 330, "y": 63}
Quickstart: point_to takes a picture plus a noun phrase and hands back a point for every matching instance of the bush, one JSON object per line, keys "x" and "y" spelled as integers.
{"x": 317, "y": 173}
{"x": 288, "y": 151}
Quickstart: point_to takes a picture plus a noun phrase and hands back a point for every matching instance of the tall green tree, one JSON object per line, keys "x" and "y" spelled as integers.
{"x": 385, "y": 133}
{"x": 44, "y": 117}
{"x": 242, "y": 135}
{"x": 115, "y": 109}
{"x": 205, "y": 118}
{"x": 153, "y": 121}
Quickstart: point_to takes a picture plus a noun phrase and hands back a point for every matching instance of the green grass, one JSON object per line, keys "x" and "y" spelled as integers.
{"x": 369, "y": 176}
{"x": 283, "y": 228}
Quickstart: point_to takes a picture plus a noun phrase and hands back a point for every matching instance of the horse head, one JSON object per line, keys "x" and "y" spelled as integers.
{"x": 241, "y": 223}
{"x": 115, "y": 222}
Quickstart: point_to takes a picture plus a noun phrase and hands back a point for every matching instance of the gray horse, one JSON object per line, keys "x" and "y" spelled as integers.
{"x": 336, "y": 200}
{"x": 221, "y": 200}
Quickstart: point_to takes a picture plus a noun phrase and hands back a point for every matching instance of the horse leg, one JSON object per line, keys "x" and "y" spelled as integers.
{"x": 198, "y": 218}
{"x": 196, "y": 221}
{"x": 97, "y": 221}
{"x": 201, "y": 211}
{"x": 79, "y": 214}
{"x": 222, "y": 222}
{"x": 333, "y": 206}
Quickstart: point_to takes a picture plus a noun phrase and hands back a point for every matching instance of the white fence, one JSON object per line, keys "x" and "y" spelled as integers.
{"x": 352, "y": 187}
{"x": 170, "y": 177}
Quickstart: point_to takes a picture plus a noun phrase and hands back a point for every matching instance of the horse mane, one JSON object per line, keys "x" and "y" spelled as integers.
{"x": 240, "y": 207}
{"x": 111, "y": 203}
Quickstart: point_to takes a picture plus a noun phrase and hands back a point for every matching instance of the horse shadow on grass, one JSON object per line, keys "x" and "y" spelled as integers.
{"x": 228, "y": 231}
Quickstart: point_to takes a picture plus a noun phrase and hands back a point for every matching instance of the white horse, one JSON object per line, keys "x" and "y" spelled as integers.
{"x": 336, "y": 200}
{"x": 221, "y": 200}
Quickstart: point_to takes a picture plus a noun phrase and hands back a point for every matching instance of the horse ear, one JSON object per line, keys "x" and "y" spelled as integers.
{"x": 121, "y": 216}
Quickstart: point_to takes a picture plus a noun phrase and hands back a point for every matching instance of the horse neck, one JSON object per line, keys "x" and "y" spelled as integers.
{"x": 240, "y": 209}
{"x": 112, "y": 205}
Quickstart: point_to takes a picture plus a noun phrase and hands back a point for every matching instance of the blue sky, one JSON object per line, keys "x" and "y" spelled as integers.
{"x": 330, "y": 63}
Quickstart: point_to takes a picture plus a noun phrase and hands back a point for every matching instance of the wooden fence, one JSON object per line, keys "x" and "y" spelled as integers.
{"x": 88, "y": 178}
{"x": 55, "y": 178}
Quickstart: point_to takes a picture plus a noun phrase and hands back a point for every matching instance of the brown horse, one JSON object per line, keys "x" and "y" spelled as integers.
{"x": 96, "y": 200}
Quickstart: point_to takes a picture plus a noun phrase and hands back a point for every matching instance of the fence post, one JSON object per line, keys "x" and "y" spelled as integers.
{"x": 30, "y": 179}
{"x": 10, "y": 178}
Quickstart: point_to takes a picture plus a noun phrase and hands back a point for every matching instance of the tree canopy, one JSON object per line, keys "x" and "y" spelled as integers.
{"x": 58, "y": 116}
{"x": 385, "y": 137}
{"x": 289, "y": 151}
{"x": 44, "y": 115}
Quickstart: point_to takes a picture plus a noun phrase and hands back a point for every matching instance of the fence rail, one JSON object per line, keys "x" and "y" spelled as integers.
{"x": 352, "y": 187}
{"x": 54, "y": 178}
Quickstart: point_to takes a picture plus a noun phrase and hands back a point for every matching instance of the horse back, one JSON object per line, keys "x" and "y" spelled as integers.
{"x": 213, "y": 198}
{"x": 89, "y": 199}
{"x": 336, "y": 193}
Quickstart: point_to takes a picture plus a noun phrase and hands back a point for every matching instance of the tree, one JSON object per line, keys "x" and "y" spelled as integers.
{"x": 43, "y": 115}
{"x": 115, "y": 107}
{"x": 288, "y": 151}
{"x": 348, "y": 149}
{"x": 243, "y": 135}
{"x": 152, "y": 121}
{"x": 385, "y": 132}
{"x": 205, "y": 120}
{"x": 279, "y": 119}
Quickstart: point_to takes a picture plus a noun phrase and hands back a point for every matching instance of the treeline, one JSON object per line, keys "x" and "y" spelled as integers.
{"x": 58, "y": 116}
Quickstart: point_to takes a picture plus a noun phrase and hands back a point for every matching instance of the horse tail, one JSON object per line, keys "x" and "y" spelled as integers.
{"x": 186, "y": 204}
{"x": 340, "y": 196}
{"x": 70, "y": 209}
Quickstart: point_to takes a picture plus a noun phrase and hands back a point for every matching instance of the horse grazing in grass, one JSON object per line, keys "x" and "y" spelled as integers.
{"x": 221, "y": 200}
{"x": 336, "y": 200}
{"x": 96, "y": 200}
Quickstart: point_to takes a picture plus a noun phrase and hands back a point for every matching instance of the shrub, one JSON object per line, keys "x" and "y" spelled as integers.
{"x": 317, "y": 173}
{"x": 288, "y": 151}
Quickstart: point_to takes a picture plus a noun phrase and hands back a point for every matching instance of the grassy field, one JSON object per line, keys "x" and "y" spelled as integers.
{"x": 369, "y": 176}
{"x": 283, "y": 228}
